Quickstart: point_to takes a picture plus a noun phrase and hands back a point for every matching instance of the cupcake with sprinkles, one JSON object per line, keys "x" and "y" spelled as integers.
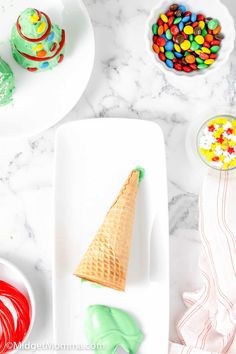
{"x": 37, "y": 44}
{"x": 217, "y": 143}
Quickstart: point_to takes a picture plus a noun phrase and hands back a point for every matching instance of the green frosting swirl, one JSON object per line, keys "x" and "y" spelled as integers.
{"x": 110, "y": 328}
{"x": 7, "y": 83}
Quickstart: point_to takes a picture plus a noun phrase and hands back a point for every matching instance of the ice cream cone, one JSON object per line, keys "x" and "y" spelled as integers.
{"x": 106, "y": 260}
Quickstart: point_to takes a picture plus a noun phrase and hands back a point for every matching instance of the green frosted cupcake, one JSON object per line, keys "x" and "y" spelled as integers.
{"x": 37, "y": 44}
{"x": 7, "y": 83}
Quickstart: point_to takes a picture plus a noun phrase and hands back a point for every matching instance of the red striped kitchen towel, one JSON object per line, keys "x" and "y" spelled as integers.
{"x": 209, "y": 325}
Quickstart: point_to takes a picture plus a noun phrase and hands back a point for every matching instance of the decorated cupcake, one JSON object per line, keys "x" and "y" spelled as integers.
{"x": 217, "y": 142}
{"x": 7, "y": 83}
{"x": 37, "y": 44}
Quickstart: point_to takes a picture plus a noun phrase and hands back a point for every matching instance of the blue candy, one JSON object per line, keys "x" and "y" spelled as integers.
{"x": 182, "y": 8}
{"x": 178, "y": 55}
{"x": 169, "y": 63}
{"x": 186, "y": 19}
{"x": 181, "y": 26}
{"x": 44, "y": 65}
{"x": 194, "y": 18}
{"x": 51, "y": 37}
{"x": 169, "y": 46}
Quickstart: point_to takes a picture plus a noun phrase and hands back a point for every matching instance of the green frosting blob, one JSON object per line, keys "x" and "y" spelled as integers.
{"x": 7, "y": 83}
{"x": 108, "y": 329}
{"x": 141, "y": 173}
{"x": 42, "y": 54}
{"x": 30, "y": 29}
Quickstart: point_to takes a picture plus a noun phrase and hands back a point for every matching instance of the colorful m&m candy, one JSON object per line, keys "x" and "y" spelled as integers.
{"x": 186, "y": 41}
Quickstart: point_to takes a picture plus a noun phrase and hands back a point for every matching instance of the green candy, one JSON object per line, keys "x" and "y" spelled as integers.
{"x": 169, "y": 55}
{"x": 169, "y": 34}
{"x": 202, "y": 66}
{"x": 177, "y": 20}
{"x": 191, "y": 37}
{"x": 155, "y": 28}
{"x": 215, "y": 49}
{"x": 213, "y": 24}
{"x": 199, "y": 61}
{"x": 187, "y": 53}
{"x": 204, "y": 32}
{"x": 194, "y": 46}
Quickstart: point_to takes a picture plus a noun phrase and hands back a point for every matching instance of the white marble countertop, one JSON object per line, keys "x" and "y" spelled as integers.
{"x": 125, "y": 83}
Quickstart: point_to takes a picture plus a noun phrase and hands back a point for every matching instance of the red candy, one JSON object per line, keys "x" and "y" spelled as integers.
{"x": 162, "y": 57}
{"x": 174, "y": 30}
{"x": 170, "y": 21}
{"x": 215, "y": 42}
{"x": 200, "y": 17}
{"x": 178, "y": 67}
{"x": 161, "y": 41}
{"x": 187, "y": 69}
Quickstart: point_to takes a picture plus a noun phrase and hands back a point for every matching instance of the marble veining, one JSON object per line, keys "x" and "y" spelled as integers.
{"x": 125, "y": 83}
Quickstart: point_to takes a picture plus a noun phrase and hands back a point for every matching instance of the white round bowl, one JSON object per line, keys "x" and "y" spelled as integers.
{"x": 210, "y": 8}
{"x": 12, "y": 275}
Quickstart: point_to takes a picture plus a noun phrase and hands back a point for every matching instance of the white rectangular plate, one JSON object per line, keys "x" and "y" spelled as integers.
{"x": 93, "y": 159}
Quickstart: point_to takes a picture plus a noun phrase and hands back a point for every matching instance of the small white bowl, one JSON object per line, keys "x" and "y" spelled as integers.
{"x": 210, "y": 8}
{"x": 12, "y": 275}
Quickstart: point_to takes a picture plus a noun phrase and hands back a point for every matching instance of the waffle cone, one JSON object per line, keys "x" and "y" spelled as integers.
{"x": 106, "y": 260}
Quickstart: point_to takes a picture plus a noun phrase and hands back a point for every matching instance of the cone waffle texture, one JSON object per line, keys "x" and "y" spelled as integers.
{"x": 106, "y": 260}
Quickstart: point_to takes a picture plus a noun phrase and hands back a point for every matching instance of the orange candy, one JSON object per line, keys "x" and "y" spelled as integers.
{"x": 190, "y": 59}
{"x": 217, "y": 30}
{"x": 156, "y": 48}
{"x": 41, "y": 54}
{"x": 160, "y": 30}
{"x": 209, "y": 38}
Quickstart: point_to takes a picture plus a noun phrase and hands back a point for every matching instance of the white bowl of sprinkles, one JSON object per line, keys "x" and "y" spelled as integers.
{"x": 210, "y": 8}
{"x": 216, "y": 142}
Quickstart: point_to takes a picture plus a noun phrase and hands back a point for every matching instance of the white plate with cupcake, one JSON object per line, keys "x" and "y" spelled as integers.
{"x": 47, "y": 54}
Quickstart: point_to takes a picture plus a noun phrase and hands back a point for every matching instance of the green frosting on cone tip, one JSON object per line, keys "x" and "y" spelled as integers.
{"x": 141, "y": 173}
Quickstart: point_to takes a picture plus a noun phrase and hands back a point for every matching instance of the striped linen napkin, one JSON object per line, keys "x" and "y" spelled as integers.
{"x": 209, "y": 325}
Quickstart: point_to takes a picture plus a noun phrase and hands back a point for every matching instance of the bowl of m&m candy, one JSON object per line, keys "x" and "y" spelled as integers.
{"x": 17, "y": 308}
{"x": 216, "y": 142}
{"x": 191, "y": 39}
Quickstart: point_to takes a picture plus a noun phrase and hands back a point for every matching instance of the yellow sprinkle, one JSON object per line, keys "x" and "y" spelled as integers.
{"x": 188, "y": 30}
{"x": 224, "y": 147}
{"x": 185, "y": 45}
{"x": 222, "y": 120}
{"x": 217, "y": 134}
{"x": 41, "y": 27}
{"x": 206, "y": 50}
{"x": 34, "y": 18}
{"x": 232, "y": 163}
{"x": 164, "y": 18}
{"x": 203, "y": 151}
{"x": 231, "y": 143}
{"x": 199, "y": 39}
{"x": 209, "y": 61}
{"x": 38, "y": 47}
{"x": 226, "y": 166}
{"x": 213, "y": 146}
{"x": 201, "y": 24}
{"x": 177, "y": 48}
{"x": 222, "y": 158}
